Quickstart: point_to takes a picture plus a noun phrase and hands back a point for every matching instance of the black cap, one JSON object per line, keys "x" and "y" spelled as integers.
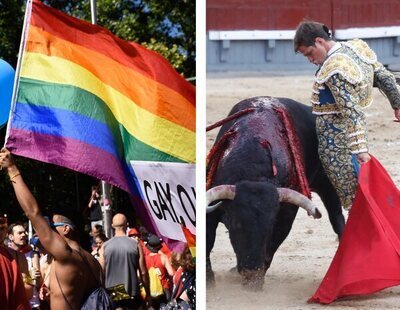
{"x": 154, "y": 243}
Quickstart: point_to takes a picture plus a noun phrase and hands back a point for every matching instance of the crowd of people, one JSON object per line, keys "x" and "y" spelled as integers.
{"x": 51, "y": 270}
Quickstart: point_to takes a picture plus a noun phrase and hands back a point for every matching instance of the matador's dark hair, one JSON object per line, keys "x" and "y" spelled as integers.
{"x": 308, "y": 31}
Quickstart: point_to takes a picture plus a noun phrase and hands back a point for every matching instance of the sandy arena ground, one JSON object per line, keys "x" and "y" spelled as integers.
{"x": 302, "y": 260}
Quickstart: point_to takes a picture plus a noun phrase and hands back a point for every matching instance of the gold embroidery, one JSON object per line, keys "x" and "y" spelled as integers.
{"x": 325, "y": 109}
{"x": 335, "y": 156}
{"x": 341, "y": 64}
{"x": 362, "y": 50}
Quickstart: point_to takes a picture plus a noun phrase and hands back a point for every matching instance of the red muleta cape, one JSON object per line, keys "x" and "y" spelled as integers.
{"x": 368, "y": 257}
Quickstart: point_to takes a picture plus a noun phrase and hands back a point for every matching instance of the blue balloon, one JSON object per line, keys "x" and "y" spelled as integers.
{"x": 7, "y": 74}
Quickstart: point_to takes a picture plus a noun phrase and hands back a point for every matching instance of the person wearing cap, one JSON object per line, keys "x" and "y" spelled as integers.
{"x": 133, "y": 233}
{"x": 346, "y": 74}
{"x": 164, "y": 248}
{"x": 160, "y": 271}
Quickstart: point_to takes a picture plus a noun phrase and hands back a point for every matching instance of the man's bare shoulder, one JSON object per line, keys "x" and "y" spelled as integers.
{"x": 92, "y": 265}
{"x": 80, "y": 258}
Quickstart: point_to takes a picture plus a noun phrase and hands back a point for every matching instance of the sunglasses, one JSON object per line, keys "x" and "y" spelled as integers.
{"x": 58, "y": 224}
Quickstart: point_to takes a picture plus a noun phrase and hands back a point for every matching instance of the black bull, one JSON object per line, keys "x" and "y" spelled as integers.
{"x": 256, "y": 160}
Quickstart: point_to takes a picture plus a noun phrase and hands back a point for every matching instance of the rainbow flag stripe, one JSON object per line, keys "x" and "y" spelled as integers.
{"x": 92, "y": 102}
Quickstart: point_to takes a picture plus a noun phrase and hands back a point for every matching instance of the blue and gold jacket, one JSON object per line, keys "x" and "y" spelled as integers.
{"x": 343, "y": 86}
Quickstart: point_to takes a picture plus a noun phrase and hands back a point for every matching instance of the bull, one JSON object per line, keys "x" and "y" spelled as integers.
{"x": 252, "y": 178}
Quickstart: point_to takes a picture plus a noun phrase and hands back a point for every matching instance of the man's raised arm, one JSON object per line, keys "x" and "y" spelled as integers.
{"x": 50, "y": 240}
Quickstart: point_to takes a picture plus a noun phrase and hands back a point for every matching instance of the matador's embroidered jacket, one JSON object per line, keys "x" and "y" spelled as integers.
{"x": 343, "y": 86}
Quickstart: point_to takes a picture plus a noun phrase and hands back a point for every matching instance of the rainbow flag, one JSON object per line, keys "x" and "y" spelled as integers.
{"x": 90, "y": 101}
{"x": 190, "y": 239}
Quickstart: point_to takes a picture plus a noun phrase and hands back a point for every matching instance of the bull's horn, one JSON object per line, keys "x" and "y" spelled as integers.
{"x": 293, "y": 197}
{"x": 218, "y": 193}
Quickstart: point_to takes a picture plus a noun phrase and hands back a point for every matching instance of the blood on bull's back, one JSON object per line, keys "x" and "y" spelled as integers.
{"x": 259, "y": 149}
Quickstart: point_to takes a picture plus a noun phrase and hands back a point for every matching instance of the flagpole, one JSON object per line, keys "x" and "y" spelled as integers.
{"x": 28, "y": 11}
{"x": 105, "y": 188}
{"x": 93, "y": 11}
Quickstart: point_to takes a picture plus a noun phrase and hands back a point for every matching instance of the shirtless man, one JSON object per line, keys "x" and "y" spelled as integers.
{"x": 74, "y": 273}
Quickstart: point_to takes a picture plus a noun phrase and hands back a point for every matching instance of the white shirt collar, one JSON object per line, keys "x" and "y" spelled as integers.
{"x": 334, "y": 48}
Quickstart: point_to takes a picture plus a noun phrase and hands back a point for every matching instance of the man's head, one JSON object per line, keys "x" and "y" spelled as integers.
{"x": 154, "y": 243}
{"x": 119, "y": 223}
{"x": 134, "y": 234}
{"x": 95, "y": 192}
{"x": 99, "y": 240}
{"x": 17, "y": 235}
{"x": 63, "y": 226}
{"x": 313, "y": 40}
{"x": 97, "y": 230}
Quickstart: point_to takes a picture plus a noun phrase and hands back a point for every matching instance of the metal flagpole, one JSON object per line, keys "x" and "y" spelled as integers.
{"x": 105, "y": 188}
{"x": 93, "y": 11}
{"x": 106, "y": 208}
{"x": 22, "y": 45}
{"x": 30, "y": 231}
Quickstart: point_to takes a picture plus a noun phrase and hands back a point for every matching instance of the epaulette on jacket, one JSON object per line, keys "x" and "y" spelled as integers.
{"x": 362, "y": 50}
{"x": 342, "y": 64}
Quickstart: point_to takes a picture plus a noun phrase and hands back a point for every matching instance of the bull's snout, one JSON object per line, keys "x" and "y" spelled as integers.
{"x": 253, "y": 280}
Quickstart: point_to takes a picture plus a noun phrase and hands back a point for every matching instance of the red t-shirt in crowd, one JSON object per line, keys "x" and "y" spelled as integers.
{"x": 12, "y": 291}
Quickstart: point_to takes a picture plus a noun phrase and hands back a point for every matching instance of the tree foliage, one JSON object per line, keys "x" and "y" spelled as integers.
{"x": 167, "y": 27}
{"x": 11, "y": 21}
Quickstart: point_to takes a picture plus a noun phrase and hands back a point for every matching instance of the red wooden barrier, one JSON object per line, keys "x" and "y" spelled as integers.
{"x": 286, "y": 14}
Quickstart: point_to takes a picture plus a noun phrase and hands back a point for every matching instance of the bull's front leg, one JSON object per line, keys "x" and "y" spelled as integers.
{"x": 212, "y": 221}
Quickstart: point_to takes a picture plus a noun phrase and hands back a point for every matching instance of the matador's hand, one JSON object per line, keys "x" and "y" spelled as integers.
{"x": 363, "y": 158}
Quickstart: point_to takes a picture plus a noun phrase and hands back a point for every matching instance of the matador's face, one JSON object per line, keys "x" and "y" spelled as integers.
{"x": 317, "y": 53}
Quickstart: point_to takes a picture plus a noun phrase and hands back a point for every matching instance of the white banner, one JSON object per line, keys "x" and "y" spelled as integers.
{"x": 170, "y": 193}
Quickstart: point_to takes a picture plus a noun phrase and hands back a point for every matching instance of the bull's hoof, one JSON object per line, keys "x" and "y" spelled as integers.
{"x": 255, "y": 285}
{"x": 234, "y": 270}
{"x": 253, "y": 280}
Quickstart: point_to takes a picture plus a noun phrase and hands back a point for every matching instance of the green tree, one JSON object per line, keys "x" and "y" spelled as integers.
{"x": 11, "y": 21}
